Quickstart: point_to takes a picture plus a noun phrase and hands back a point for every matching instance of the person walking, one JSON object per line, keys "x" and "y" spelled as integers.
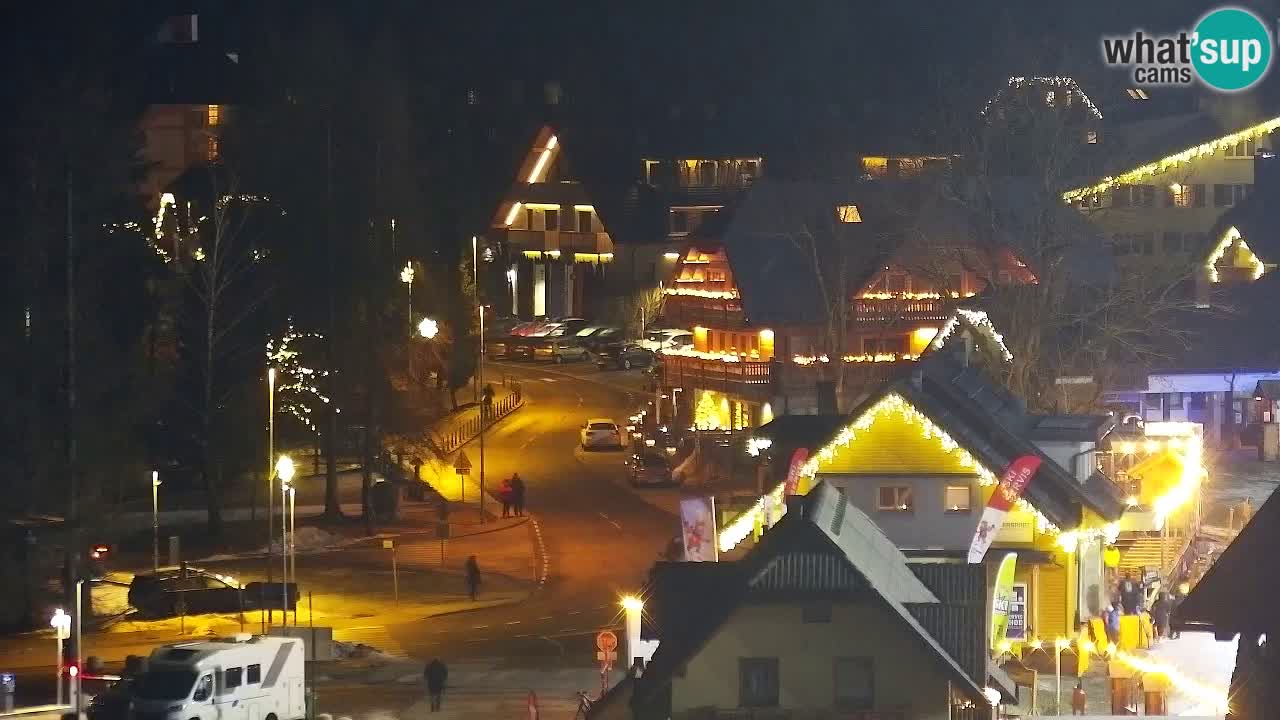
{"x": 1130, "y": 594}
{"x": 517, "y": 493}
{"x": 1112, "y": 622}
{"x": 505, "y": 492}
{"x": 473, "y": 577}
{"x": 437, "y": 674}
{"x": 1160, "y": 611}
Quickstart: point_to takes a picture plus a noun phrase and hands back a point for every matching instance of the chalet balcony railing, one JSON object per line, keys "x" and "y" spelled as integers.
{"x": 565, "y": 241}
{"x": 686, "y": 311}
{"x": 751, "y": 380}
{"x": 876, "y": 310}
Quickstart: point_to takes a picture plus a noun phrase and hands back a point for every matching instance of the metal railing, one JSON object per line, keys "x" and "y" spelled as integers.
{"x": 469, "y": 429}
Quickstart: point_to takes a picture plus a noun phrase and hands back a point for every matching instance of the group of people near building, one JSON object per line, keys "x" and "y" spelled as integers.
{"x": 1131, "y": 598}
{"x": 511, "y": 493}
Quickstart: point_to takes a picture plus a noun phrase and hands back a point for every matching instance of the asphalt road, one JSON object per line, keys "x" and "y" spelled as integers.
{"x": 599, "y": 538}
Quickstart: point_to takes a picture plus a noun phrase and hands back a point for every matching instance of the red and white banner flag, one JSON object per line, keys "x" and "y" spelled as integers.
{"x": 1012, "y": 483}
{"x": 698, "y": 527}
{"x": 793, "y": 472}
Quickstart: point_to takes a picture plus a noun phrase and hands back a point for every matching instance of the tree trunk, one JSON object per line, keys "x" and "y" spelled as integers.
{"x": 366, "y": 480}
{"x": 331, "y": 507}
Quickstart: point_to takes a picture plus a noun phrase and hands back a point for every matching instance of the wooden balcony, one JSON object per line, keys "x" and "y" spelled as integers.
{"x": 871, "y": 310}
{"x": 687, "y": 311}
{"x": 748, "y": 380}
{"x": 565, "y": 241}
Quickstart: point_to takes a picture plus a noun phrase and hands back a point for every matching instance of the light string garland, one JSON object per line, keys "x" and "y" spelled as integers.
{"x": 1172, "y": 161}
{"x": 892, "y": 403}
{"x": 1058, "y": 82}
{"x": 979, "y": 321}
{"x": 1231, "y": 236}
{"x": 298, "y": 385}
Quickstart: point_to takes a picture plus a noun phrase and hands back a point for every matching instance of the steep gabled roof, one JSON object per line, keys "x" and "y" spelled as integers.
{"x": 1239, "y": 592}
{"x": 828, "y": 548}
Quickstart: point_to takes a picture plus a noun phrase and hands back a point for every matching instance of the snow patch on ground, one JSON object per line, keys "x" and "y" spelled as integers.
{"x": 1201, "y": 658}
{"x": 353, "y": 651}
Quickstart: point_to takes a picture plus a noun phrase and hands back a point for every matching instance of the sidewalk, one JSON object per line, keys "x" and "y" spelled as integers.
{"x": 475, "y": 690}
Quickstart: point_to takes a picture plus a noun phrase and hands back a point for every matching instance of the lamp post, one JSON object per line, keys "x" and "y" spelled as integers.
{"x": 406, "y": 277}
{"x": 284, "y": 470}
{"x": 1058, "y": 646}
{"x": 271, "y": 460}
{"x": 78, "y": 704}
{"x": 61, "y": 624}
{"x": 293, "y": 556}
{"x": 155, "y": 520}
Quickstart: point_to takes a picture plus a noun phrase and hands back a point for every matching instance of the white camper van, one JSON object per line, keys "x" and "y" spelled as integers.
{"x": 241, "y": 678}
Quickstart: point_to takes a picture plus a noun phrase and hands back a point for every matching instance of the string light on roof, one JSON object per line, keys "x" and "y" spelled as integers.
{"x": 977, "y": 319}
{"x": 1059, "y": 82}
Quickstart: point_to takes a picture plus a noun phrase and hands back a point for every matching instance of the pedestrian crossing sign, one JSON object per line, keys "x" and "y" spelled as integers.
{"x": 462, "y": 465}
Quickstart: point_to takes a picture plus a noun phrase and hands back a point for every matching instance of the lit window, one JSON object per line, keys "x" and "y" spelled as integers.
{"x": 211, "y": 150}
{"x": 897, "y": 498}
{"x": 876, "y": 167}
{"x": 1049, "y": 98}
{"x": 956, "y": 498}
{"x": 909, "y": 167}
{"x": 213, "y": 116}
{"x": 1091, "y": 137}
{"x": 849, "y": 214}
{"x": 1138, "y": 94}
{"x": 1179, "y": 195}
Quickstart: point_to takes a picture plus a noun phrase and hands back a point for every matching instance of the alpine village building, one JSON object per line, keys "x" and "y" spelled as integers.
{"x": 823, "y": 618}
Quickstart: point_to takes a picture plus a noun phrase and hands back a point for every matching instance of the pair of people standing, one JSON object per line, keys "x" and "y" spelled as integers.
{"x": 512, "y": 496}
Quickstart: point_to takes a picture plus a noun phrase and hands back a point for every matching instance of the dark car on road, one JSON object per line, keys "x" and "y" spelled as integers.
{"x": 649, "y": 468}
{"x": 165, "y": 592}
{"x": 623, "y": 356}
{"x": 113, "y": 703}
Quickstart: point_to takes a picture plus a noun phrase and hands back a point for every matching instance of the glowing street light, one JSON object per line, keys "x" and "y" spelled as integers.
{"x": 428, "y": 328}
{"x": 284, "y": 471}
{"x": 61, "y": 624}
{"x": 155, "y": 521}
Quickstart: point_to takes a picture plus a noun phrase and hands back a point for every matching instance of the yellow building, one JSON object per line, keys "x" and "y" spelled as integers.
{"x": 922, "y": 456}
{"x": 823, "y": 619}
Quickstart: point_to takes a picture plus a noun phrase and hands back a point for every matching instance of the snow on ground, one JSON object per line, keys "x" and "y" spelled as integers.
{"x": 1202, "y": 659}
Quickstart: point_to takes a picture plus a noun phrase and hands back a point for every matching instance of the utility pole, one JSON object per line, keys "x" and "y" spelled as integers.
{"x": 72, "y": 555}
{"x": 330, "y": 451}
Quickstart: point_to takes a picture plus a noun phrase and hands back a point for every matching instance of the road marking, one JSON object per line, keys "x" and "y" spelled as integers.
{"x": 514, "y": 622}
{"x": 575, "y": 612}
{"x": 545, "y": 617}
{"x": 606, "y": 517}
{"x": 479, "y": 627}
{"x": 523, "y": 636}
{"x": 611, "y": 522}
{"x": 568, "y": 630}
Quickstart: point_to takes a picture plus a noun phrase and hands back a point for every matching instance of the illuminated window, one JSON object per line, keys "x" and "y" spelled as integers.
{"x": 896, "y": 498}
{"x": 909, "y": 167}
{"x": 213, "y": 116}
{"x": 211, "y": 150}
{"x": 876, "y": 167}
{"x": 1179, "y": 195}
{"x": 1091, "y": 137}
{"x": 956, "y": 498}
{"x": 848, "y": 214}
{"x": 1138, "y": 94}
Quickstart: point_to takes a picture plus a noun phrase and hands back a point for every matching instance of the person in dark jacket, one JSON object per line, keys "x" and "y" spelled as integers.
{"x": 437, "y": 675}
{"x": 473, "y": 576}
{"x": 505, "y": 492}
{"x": 1161, "y": 609}
{"x": 517, "y": 493}
{"x": 1130, "y": 594}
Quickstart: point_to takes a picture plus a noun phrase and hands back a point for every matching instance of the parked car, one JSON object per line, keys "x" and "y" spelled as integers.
{"x": 563, "y": 327}
{"x": 163, "y": 593}
{"x": 624, "y": 357}
{"x": 113, "y": 703}
{"x": 669, "y": 339}
{"x": 649, "y": 468}
{"x": 601, "y": 433}
{"x": 521, "y": 348}
{"x": 601, "y": 336}
{"x": 559, "y": 350}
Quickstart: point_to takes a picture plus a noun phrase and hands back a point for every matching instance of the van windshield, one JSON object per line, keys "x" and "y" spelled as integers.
{"x": 166, "y": 684}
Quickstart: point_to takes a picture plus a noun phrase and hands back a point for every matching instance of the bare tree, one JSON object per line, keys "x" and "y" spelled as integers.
{"x": 226, "y": 293}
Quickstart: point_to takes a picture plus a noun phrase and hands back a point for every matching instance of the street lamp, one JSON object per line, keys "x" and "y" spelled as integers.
{"x": 1058, "y": 646}
{"x": 271, "y": 458}
{"x": 284, "y": 471}
{"x": 428, "y": 328}
{"x": 406, "y": 277}
{"x": 61, "y": 624}
{"x": 155, "y": 520}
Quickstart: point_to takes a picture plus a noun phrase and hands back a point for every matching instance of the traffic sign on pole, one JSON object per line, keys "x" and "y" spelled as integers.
{"x": 462, "y": 465}
{"x": 606, "y": 641}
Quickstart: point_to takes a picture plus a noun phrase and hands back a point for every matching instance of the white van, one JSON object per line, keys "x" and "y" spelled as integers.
{"x": 241, "y": 678}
